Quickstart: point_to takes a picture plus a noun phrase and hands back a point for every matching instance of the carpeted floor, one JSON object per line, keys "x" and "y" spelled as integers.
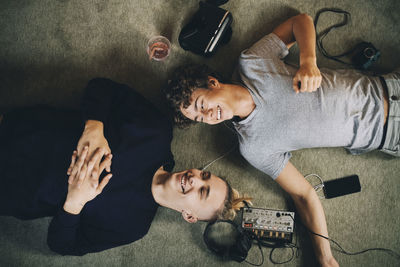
{"x": 49, "y": 49}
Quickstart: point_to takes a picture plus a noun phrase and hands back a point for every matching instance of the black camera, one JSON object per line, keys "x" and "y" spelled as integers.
{"x": 364, "y": 55}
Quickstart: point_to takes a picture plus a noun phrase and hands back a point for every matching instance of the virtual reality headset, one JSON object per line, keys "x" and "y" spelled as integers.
{"x": 207, "y": 30}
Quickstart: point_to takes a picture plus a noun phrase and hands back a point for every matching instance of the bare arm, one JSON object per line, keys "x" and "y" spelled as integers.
{"x": 300, "y": 29}
{"x": 310, "y": 209}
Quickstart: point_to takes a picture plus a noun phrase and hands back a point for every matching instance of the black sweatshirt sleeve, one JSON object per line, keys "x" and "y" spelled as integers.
{"x": 102, "y": 96}
{"x": 105, "y": 99}
{"x": 67, "y": 236}
{"x": 117, "y": 105}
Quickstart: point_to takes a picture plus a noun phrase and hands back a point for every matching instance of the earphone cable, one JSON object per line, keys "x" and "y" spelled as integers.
{"x": 226, "y": 153}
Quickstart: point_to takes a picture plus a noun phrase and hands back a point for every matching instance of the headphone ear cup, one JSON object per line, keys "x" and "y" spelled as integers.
{"x": 238, "y": 251}
{"x": 243, "y": 242}
{"x": 247, "y": 241}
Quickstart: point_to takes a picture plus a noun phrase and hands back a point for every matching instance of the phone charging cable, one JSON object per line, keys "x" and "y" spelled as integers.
{"x": 319, "y": 186}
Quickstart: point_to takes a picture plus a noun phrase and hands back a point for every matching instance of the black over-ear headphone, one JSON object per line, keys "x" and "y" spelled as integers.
{"x": 238, "y": 251}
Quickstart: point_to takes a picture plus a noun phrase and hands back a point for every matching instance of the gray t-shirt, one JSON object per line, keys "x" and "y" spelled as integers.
{"x": 347, "y": 111}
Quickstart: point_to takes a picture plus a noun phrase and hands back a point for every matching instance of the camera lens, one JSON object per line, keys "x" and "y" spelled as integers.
{"x": 369, "y": 52}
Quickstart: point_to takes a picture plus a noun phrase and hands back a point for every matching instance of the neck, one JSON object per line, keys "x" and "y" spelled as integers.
{"x": 157, "y": 187}
{"x": 243, "y": 101}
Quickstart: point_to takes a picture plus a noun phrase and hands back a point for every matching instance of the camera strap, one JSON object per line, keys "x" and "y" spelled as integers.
{"x": 323, "y": 33}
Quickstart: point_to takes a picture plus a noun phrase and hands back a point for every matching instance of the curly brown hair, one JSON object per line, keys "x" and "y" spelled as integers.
{"x": 183, "y": 82}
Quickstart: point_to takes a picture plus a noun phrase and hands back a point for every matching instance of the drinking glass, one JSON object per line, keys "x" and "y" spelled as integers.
{"x": 158, "y": 48}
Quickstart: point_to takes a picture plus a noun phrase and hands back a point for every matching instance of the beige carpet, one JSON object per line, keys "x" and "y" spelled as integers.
{"x": 49, "y": 49}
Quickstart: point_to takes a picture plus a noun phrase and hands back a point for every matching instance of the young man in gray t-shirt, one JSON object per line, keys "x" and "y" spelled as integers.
{"x": 276, "y": 108}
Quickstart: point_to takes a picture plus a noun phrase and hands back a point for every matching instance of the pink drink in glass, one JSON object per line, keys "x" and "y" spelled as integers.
{"x": 158, "y": 48}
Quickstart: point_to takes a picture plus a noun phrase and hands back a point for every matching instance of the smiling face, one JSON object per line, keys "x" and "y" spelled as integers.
{"x": 211, "y": 106}
{"x": 197, "y": 194}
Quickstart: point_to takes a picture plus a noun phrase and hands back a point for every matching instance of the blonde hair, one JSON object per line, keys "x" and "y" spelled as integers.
{"x": 233, "y": 203}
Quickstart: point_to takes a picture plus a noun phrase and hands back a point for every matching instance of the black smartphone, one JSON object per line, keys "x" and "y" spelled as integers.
{"x": 342, "y": 186}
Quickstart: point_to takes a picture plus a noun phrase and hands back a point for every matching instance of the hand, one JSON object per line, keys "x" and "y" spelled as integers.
{"x": 308, "y": 78}
{"x": 93, "y": 138}
{"x": 79, "y": 194}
